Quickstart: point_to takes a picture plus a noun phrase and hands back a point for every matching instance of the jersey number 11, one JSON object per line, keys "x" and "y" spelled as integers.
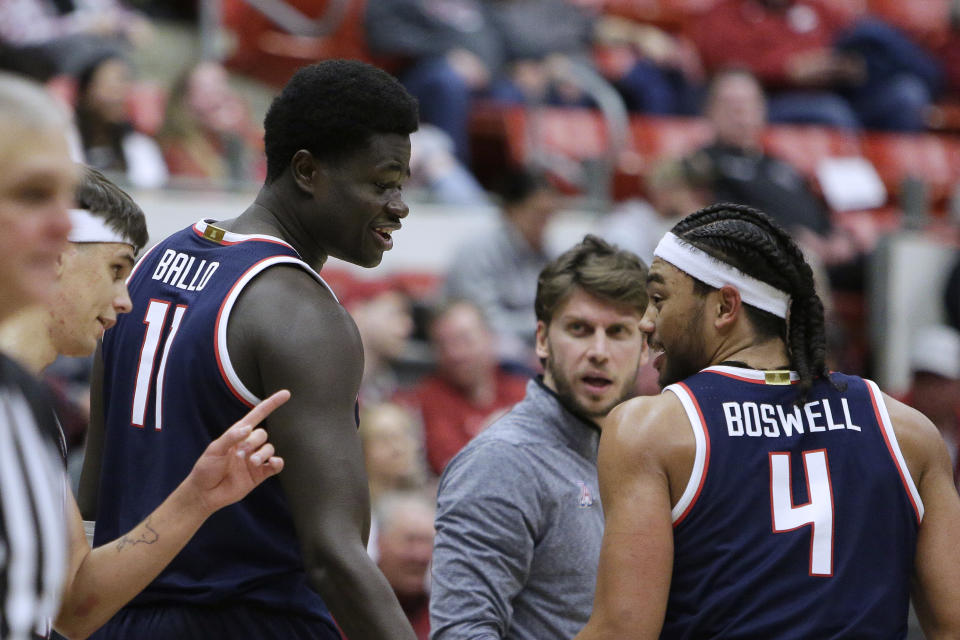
{"x": 156, "y": 321}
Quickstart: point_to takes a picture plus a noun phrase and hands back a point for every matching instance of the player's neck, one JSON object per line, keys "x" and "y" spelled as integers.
{"x": 25, "y": 337}
{"x": 271, "y": 214}
{"x": 771, "y": 354}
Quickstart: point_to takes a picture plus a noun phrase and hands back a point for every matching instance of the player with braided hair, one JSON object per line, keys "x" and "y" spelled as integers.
{"x": 754, "y": 243}
{"x": 762, "y": 496}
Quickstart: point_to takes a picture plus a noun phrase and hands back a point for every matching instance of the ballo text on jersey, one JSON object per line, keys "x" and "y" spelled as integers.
{"x": 177, "y": 269}
{"x": 774, "y": 420}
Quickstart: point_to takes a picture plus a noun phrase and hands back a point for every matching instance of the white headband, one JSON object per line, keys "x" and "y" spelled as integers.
{"x": 90, "y": 228}
{"x": 709, "y": 270}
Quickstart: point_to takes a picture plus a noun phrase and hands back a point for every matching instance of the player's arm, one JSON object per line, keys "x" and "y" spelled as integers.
{"x": 88, "y": 490}
{"x": 936, "y": 584}
{"x": 488, "y": 519}
{"x": 100, "y": 581}
{"x": 636, "y": 556}
{"x": 285, "y": 332}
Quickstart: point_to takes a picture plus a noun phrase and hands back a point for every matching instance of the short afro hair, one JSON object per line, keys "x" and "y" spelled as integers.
{"x": 332, "y": 109}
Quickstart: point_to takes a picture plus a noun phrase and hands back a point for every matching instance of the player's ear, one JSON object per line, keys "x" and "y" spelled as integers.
{"x": 61, "y": 258}
{"x": 542, "y": 348}
{"x": 728, "y": 306}
{"x": 306, "y": 169}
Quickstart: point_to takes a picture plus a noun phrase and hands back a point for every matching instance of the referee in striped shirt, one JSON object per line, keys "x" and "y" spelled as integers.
{"x": 37, "y": 178}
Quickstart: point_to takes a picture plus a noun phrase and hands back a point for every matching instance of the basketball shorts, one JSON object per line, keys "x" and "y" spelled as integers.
{"x": 224, "y": 622}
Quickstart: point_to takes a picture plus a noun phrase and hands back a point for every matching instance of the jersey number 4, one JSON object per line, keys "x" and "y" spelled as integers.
{"x": 156, "y": 321}
{"x": 817, "y": 512}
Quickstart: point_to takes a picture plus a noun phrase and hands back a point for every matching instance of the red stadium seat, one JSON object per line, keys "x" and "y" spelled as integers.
{"x": 926, "y": 20}
{"x": 669, "y": 14}
{"x": 804, "y": 146}
{"x": 578, "y": 134}
{"x": 559, "y": 139}
{"x": 264, "y": 51}
{"x": 934, "y": 159}
{"x": 851, "y": 9}
{"x": 668, "y": 137}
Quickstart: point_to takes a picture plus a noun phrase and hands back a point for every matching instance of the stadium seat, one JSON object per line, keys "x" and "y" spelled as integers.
{"x": 932, "y": 158}
{"x": 804, "y": 146}
{"x": 668, "y": 137}
{"x": 927, "y": 20}
{"x": 669, "y": 14}
{"x": 266, "y": 52}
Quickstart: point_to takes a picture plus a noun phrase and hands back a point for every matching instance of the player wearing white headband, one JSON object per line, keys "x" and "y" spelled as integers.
{"x": 107, "y": 230}
{"x": 760, "y": 495}
{"x": 90, "y": 291}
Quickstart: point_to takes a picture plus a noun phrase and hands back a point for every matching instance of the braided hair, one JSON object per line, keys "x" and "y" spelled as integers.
{"x": 751, "y": 241}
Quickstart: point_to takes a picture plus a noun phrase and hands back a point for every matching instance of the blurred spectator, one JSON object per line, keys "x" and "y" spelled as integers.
{"x": 383, "y": 316}
{"x": 65, "y": 33}
{"x": 935, "y": 385}
{"x": 822, "y": 68}
{"x": 543, "y": 38}
{"x": 446, "y": 51}
{"x": 498, "y": 271}
{"x": 673, "y": 191}
{"x": 404, "y": 549}
{"x": 739, "y": 170}
{"x": 468, "y": 390}
{"x": 392, "y": 449}
{"x": 27, "y": 62}
{"x": 657, "y": 72}
{"x": 110, "y": 142}
{"x": 435, "y": 168}
{"x": 207, "y": 133}
{"x": 34, "y": 22}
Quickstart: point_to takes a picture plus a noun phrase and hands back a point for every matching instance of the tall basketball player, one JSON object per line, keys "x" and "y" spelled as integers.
{"x": 226, "y": 312}
{"x": 760, "y": 495}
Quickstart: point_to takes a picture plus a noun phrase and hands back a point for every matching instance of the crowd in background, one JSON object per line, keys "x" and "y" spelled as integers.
{"x": 440, "y": 368}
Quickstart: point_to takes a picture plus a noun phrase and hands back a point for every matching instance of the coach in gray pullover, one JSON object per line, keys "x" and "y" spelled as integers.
{"x": 519, "y": 520}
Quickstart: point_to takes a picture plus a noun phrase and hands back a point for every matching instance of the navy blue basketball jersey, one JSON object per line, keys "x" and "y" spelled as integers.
{"x": 798, "y": 521}
{"x": 169, "y": 390}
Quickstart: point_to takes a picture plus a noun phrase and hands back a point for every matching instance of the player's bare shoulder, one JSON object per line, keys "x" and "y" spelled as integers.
{"x": 647, "y": 425}
{"x": 920, "y": 442}
{"x": 286, "y": 315}
{"x": 643, "y": 419}
{"x": 287, "y": 298}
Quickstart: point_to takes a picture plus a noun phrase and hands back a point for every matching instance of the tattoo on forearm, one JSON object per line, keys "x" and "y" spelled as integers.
{"x": 147, "y": 537}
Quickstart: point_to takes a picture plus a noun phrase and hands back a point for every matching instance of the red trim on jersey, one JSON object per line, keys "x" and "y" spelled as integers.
{"x": 233, "y": 242}
{"x": 896, "y": 463}
{"x": 216, "y": 332}
{"x": 706, "y": 455}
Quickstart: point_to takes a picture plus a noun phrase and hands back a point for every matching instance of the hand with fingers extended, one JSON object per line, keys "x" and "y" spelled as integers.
{"x": 239, "y": 460}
